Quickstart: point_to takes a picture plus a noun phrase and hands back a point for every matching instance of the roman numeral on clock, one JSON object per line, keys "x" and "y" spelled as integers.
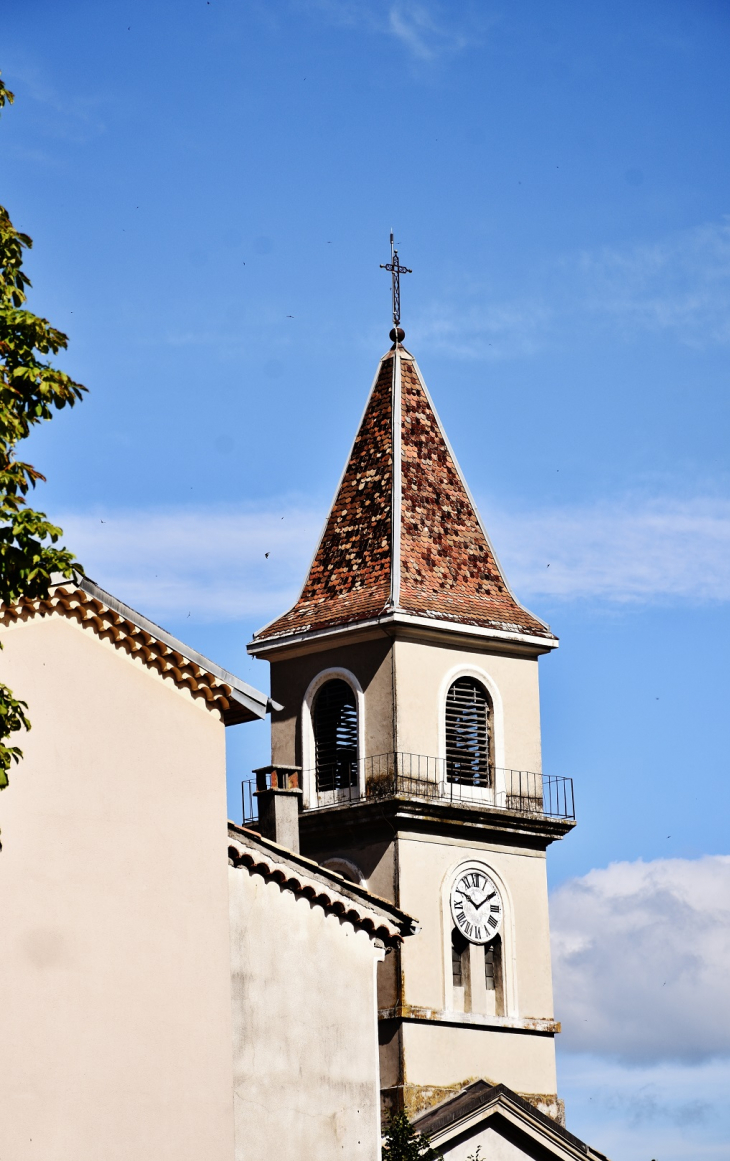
{"x": 492, "y": 922}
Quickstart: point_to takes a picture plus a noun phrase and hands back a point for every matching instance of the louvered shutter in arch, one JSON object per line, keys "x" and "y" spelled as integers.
{"x": 468, "y": 733}
{"x": 334, "y": 720}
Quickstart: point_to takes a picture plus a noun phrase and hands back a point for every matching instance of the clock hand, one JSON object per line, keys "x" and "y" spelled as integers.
{"x": 484, "y": 900}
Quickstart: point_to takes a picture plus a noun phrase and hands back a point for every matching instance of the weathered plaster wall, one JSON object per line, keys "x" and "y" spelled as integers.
{"x": 114, "y": 959}
{"x": 305, "y": 1035}
{"x": 439, "y": 1056}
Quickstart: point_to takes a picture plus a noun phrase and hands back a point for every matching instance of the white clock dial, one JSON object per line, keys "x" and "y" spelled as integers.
{"x": 476, "y": 906}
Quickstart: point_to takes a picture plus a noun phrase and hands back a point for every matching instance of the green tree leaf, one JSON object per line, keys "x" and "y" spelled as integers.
{"x": 31, "y": 391}
{"x": 403, "y": 1143}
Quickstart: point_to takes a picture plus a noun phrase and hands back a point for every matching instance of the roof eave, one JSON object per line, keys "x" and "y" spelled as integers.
{"x": 398, "y": 923}
{"x": 247, "y": 704}
{"x": 544, "y": 644}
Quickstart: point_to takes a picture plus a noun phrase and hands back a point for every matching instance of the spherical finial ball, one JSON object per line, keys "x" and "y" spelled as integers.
{"x": 397, "y": 335}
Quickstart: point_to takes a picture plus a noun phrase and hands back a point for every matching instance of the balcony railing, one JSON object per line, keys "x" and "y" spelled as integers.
{"x": 418, "y": 776}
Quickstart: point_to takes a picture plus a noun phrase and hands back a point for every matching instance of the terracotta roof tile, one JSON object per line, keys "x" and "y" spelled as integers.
{"x": 97, "y": 611}
{"x": 448, "y": 570}
{"x": 248, "y": 849}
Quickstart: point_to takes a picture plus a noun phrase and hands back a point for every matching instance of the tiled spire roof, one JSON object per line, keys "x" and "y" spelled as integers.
{"x": 403, "y": 534}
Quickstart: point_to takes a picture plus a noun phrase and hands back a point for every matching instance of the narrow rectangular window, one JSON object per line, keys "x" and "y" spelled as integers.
{"x": 456, "y": 973}
{"x": 489, "y": 974}
{"x": 459, "y": 954}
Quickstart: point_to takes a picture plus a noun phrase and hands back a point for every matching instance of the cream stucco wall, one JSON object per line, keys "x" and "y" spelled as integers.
{"x": 442, "y": 1053}
{"x": 115, "y": 1026}
{"x": 423, "y": 673}
{"x": 493, "y": 1145}
{"x": 369, "y": 662}
{"x": 305, "y": 1028}
{"x": 427, "y": 866}
{"x": 405, "y": 682}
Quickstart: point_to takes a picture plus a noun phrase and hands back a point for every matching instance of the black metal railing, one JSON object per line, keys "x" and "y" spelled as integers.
{"x": 418, "y": 776}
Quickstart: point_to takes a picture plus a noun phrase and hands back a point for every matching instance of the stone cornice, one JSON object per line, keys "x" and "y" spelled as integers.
{"x": 415, "y": 1015}
{"x": 402, "y": 814}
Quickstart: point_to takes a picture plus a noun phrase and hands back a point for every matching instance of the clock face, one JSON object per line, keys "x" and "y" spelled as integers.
{"x": 476, "y": 905}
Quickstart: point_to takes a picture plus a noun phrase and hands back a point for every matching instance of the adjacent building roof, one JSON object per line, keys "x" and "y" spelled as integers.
{"x": 404, "y": 535}
{"x": 92, "y": 607}
{"x": 326, "y": 888}
{"x": 480, "y": 1105}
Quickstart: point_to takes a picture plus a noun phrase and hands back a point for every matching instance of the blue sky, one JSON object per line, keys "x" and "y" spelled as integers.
{"x": 210, "y": 188}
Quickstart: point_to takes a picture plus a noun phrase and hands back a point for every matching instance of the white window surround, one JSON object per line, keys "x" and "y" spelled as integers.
{"x": 309, "y": 754}
{"x": 497, "y": 792}
{"x": 507, "y": 932}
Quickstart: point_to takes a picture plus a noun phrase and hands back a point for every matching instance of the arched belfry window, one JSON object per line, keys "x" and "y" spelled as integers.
{"x": 469, "y": 733}
{"x": 334, "y": 719}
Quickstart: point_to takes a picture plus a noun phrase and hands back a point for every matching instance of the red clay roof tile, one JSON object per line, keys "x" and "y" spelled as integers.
{"x": 444, "y": 567}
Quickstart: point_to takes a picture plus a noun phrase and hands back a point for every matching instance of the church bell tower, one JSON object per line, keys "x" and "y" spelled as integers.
{"x": 407, "y": 670}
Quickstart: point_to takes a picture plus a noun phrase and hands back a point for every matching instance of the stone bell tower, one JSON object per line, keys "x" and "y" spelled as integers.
{"x": 408, "y": 674}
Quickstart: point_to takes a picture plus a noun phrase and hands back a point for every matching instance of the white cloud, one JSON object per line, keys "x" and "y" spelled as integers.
{"x": 669, "y": 1111}
{"x": 679, "y": 287}
{"x": 640, "y": 955}
{"x": 626, "y": 550}
{"x": 418, "y": 28}
{"x": 212, "y": 562}
{"x": 490, "y": 328}
{"x": 427, "y": 30}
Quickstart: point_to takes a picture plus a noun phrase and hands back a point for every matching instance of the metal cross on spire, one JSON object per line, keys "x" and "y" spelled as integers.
{"x": 396, "y": 270}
